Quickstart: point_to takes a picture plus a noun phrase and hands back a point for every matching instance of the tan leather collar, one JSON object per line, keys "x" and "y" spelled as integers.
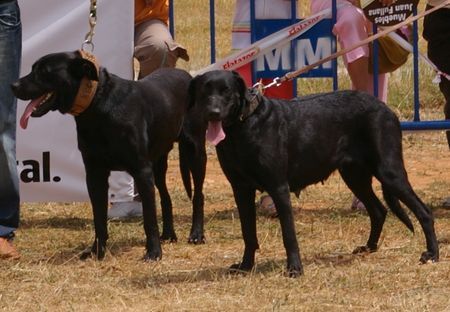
{"x": 87, "y": 88}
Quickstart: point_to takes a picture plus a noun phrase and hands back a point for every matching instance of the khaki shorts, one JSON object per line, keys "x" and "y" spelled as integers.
{"x": 155, "y": 48}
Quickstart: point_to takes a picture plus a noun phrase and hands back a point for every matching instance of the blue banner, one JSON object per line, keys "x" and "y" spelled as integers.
{"x": 315, "y": 44}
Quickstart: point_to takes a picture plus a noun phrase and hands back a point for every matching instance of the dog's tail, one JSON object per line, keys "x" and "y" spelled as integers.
{"x": 394, "y": 204}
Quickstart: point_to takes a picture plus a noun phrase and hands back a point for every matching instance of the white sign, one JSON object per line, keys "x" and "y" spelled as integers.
{"x": 49, "y": 163}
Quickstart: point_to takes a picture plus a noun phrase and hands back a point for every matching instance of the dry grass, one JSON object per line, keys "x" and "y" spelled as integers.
{"x": 194, "y": 278}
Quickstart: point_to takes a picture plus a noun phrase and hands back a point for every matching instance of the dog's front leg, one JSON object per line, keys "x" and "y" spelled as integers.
{"x": 282, "y": 201}
{"x": 97, "y": 185}
{"x": 245, "y": 200}
{"x": 146, "y": 189}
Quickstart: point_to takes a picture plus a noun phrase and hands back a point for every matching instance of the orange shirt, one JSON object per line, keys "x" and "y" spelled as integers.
{"x": 158, "y": 10}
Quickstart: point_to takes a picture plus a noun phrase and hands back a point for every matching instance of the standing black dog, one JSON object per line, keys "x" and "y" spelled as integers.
{"x": 123, "y": 125}
{"x": 282, "y": 146}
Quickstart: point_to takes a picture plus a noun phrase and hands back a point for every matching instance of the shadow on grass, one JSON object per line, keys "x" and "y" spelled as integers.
{"x": 232, "y": 213}
{"x": 341, "y": 259}
{"x": 182, "y": 277}
{"x": 113, "y": 249}
{"x": 222, "y": 273}
{"x": 73, "y": 223}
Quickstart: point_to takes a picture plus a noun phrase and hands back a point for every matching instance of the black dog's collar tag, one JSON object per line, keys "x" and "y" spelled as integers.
{"x": 255, "y": 98}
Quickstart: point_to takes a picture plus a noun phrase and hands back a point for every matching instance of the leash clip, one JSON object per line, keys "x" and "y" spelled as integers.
{"x": 275, "y": 82}
{"x": 258, "y": 87}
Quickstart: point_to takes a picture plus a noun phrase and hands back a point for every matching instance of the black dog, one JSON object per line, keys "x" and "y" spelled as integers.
{"x": 282, "y": 146}
{"x": 123, "y": 125}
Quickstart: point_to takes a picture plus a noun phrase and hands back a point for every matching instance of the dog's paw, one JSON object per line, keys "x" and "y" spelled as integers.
{"x": 239, "y": 268}
{"x": 153, "y": 256}
{"x": 294, "y": 272}
{"x": 86, "y": 254}
{"x": 364, "y": 249}
{"x": 428, "y": 257}
{"x": 92, "y": 254}
{"x": 168, "y": 238}
{"x": 197, "y": 239}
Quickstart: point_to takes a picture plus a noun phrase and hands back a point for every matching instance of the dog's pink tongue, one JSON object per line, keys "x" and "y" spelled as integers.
{"x": 28, "y": 110}
{"x": 215, "y": 133}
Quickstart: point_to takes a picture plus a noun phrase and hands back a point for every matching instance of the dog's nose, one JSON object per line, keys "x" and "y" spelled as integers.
{"x": 15, "y": 86}
{"x": 214, "y": 113}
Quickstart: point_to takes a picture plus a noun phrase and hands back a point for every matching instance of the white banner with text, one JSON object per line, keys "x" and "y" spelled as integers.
{"x": 49, "y": 163}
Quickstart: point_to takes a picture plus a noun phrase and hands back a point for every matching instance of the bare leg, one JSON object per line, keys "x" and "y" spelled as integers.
{"x": 362, "y": 80}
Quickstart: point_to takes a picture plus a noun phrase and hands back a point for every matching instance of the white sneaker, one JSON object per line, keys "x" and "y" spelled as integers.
{"x": 123, "y": 210}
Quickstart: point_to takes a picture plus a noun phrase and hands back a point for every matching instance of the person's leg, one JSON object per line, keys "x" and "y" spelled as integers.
{"x": 155, "y": 48}
{"x": 10, "y": 54}
{"x": 444, "y": 86}
{"x": 436, "y": 30}
{"x": 362, "y": 80}
{"x": 352, "y": 27}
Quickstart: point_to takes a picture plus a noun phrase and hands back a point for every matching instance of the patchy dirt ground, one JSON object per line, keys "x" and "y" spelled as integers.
{"x": 50, "y": 276}
{"x": 427, "y": 159}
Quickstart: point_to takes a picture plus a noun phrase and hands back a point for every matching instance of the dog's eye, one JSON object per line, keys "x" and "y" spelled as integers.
{"x": 43, "y": 70}
{"x": 224, "y": 89}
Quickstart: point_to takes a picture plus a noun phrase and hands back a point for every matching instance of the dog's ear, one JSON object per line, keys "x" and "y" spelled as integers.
{"x": 242, "y": 87}
{"x": 84, "y": 68}
{"x": 191, "y": 92}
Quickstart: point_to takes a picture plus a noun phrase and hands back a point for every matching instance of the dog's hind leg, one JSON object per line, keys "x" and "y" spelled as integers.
{"x": 394, "y": 204}
{"x": 245, "y": 201}
{"x": 398, "y": 185}
{"x": 146, "y": 189}
{"x": 97, "y": 185}
{"x": 359, "y": 180}
{"x": 193, "y": 161}
{"x": 391, "y": 173}
{"x": 281, "y": 198}
{"x": 160, "y": 171}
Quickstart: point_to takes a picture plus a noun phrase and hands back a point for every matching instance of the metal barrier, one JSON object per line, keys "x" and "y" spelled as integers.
{"x": 415, "y": 124}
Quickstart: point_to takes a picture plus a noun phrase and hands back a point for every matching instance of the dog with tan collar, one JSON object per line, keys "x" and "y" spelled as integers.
{"x": 123, "y": 125}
